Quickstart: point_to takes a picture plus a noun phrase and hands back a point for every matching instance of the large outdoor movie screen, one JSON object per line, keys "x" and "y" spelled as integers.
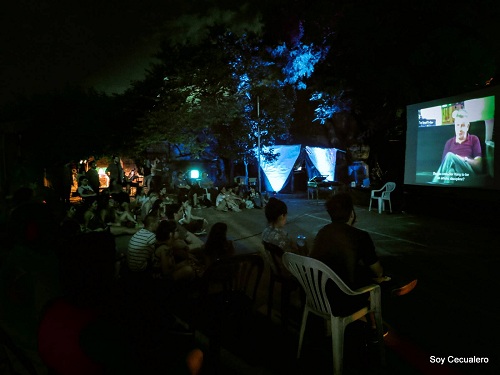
{"x": 450, "y": 142}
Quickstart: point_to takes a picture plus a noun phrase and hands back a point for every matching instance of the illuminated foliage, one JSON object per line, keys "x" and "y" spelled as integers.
{"x": 207, "y": 95}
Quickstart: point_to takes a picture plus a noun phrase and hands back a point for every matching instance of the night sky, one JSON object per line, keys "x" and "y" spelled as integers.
{"x": 47, "y": 43}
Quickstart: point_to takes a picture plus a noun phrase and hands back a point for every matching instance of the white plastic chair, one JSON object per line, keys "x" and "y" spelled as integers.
{"x": 313, "y": 275}
{"x": 381, "y": 195}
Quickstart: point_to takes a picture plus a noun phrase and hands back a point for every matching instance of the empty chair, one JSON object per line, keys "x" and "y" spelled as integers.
{"x": 313, "y": 276}
{"x": 381, "y": 195}
{"x": 281, "y": 276}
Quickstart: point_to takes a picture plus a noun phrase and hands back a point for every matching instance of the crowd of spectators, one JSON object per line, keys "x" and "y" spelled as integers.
{"x": 53, "y": 252}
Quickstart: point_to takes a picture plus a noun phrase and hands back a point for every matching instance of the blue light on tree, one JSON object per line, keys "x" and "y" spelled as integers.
{"x": 328, "y": 105}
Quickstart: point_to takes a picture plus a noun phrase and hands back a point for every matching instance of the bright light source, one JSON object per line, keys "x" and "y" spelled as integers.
{"x": 277, "y": 172}
{"x": 194, "y": 173}
{"x": 324, "y": 159}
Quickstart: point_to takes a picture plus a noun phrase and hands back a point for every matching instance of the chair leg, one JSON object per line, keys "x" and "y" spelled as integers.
{"x": 285, "y": 304}
{"x": 270, "y": 294}
{"x": 380, "y": 204}
{"x": 380, "y": 335}
{"x": 302, "y": 329}
{"x": 337, "y": 344}
{"x": 370, "y": 207}
{"x": 390, "y": 206}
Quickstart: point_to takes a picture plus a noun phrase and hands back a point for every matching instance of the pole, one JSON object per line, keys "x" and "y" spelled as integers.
{"x": 258, "y": 142}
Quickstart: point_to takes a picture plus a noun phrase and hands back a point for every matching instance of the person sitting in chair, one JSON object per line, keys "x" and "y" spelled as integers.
{"x": 350, "y": 253}
{"x": 461, "y": 154}
{"x": 85, "y": 190}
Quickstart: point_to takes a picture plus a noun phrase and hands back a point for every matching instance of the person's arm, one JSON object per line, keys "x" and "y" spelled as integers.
{"x": 86, "y": 192}
{"x": 446, "y": 149}
{"x": 378, "y": 272}
{"x": 474, "y": 159}
{"x": 87, "y": 216}
{"x": 230, "y": 248}
{"x": 167, "y": 260}
{"x": 193, "y": 242}
{"x": 126, "y": 215}
{"x": 102, "y": 214}
{"x": 187, "y": 214}
{"x": 475, "y": 163}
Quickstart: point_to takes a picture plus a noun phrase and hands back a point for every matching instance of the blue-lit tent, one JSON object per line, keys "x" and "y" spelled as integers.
{"x": 318, "y": 161}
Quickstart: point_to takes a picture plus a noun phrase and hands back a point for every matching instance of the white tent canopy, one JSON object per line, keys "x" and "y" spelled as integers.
{"x": 319, "y": 160}
{"x": 324, "y": 159}
{"x": 277, "y": 172}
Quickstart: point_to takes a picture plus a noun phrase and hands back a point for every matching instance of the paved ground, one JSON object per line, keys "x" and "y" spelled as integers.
{"x": 452, "y": 311}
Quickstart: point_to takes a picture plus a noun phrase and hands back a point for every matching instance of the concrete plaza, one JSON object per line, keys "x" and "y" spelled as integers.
{"x": 450, "y": 314}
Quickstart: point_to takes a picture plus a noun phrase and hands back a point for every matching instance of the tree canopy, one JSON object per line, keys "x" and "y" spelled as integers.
{"x": 206, "y": 96}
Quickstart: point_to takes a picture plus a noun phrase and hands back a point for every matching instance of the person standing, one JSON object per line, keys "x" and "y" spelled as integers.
{"x": 115, "y": 170}
{"x": 93, "y": 176}
{"x": 156, "y": 175}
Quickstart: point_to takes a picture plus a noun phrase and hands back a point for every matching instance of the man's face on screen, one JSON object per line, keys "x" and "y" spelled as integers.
{"x": 461, "y": 129}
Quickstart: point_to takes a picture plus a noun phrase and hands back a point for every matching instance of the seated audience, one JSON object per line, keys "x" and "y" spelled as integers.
{"x": 182, "y": 187}
{"x": 209, "y": 190}
{"x": 142, "y": 245}
{"x": 115, "y": 190}
{"x": 148, "y": 204}
{"x": 217, "y": 245}
{"x": 255, "y": 197}
{"x": 234, "y": 195}
{"x": 164, "y": 196}
{"x": 165, "y": 265}
{"x": 349, "y": 252}
{"x": 93, "y": 220}
{"x": 175, "y": 212}
{"x": 276, "y": 214}
{"x": 140, "y": 198}
{"x": 158, "y": 209}
{"x": 84, "y": 190}
{"x": 192, "y": 223}
{"x": 225, "y": 201}
{"x": 241, "y": 189}
{"x": 142, "y": 195}
{"x": 86, "y": 331}
{"x": 115, "y": 216}
{"x": 69, "y": 225}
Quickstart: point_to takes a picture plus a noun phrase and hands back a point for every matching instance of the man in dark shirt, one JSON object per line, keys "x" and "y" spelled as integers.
{"x": 462, "y": 154}
{"x": 115, "y": 170}
{"x": 349, "y": 252}
{"x": 93, "y": 177}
